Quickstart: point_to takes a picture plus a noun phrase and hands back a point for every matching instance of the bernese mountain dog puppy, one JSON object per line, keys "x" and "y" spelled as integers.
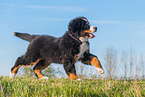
{"x": 73, "y": 46}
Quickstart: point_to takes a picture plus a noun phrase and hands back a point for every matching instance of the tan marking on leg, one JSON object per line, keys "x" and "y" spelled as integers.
{"x": 72, "y": 76}
{"x": 35, "y": 62}
{"x": 38, "y": 72}
{"x": 15, "y": 70}
{"x": 32, "y": 63}
{"x": 39, "y": 68}
{"x": 96, "y": 63}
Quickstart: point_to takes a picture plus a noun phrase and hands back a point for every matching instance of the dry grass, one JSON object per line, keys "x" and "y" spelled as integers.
{"x": 20, "y": 87}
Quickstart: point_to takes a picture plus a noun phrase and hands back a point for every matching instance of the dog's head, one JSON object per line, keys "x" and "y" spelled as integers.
{"x": 80, "y": 27}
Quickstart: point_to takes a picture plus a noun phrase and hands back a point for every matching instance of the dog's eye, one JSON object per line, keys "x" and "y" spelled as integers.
{"x": 85, "y": 26}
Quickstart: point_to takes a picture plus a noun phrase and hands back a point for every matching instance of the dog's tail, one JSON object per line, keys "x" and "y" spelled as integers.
{"x": 25, "y": 36}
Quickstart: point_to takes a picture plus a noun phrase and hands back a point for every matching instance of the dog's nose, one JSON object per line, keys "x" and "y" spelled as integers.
{"x": 95, "y": 29}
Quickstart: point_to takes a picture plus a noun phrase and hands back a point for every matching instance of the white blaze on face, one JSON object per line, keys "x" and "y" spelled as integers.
{"x": 92, "y": 29}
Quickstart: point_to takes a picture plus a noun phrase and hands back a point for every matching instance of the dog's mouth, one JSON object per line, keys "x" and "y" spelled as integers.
{"x": 89, "y": 35}
{"x": 89, "y": 32}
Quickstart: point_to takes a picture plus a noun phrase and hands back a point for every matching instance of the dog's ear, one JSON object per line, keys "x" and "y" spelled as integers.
{"x": 70, "y": 26}
{"x": 74, "y": 26}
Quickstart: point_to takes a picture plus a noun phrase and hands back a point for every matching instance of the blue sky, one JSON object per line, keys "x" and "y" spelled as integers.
{"x": 121, "y": 24}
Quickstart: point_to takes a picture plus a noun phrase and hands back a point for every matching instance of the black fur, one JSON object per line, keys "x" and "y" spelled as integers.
{"x": 56, "y": 50}
{"x": 25, "y": 36}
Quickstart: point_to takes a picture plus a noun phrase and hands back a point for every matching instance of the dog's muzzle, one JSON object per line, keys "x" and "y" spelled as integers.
{"x": 95, "y": 29}
{"x": 90, "y": 31}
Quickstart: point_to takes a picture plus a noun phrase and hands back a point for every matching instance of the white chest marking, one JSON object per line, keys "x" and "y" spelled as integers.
{"x": 83, "y": 47}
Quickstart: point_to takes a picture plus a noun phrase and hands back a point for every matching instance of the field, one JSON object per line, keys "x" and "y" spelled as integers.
{"x": 32, "y": 87}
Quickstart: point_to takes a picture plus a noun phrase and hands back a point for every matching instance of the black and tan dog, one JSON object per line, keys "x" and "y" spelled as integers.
{"x": 73, "y": 46}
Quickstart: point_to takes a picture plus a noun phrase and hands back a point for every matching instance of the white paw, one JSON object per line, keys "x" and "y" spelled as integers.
{"x": 44, "y": 77}
{"x": 12, "y": 75}
{"x": 79, "y": 79}
{"x": 100, "y": 70}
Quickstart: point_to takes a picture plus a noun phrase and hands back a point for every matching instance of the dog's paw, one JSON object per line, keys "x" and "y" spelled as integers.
{"x": 12, "y": 75}
{"x": 79, "y": 79}
{"x": 44, "y": 77}
{"x": 100, "y": 70}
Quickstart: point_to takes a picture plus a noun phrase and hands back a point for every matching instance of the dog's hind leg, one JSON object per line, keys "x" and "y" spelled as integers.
{"x": 21, "y": 61}
{"x": 15, "y": 68}
{"x": 41, "y": 65}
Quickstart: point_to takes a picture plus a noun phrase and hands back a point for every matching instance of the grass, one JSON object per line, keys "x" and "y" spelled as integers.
{"x": 32, "y": 87}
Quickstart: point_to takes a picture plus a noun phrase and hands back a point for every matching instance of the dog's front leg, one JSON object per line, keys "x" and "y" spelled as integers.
{"x": 70, "y": 70}
{"x": 91, "y": 59}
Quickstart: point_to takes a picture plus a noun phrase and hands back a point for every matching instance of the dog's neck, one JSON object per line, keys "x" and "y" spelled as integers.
{"x": 74, "y": 38}
{"x": 80, "y": 40}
